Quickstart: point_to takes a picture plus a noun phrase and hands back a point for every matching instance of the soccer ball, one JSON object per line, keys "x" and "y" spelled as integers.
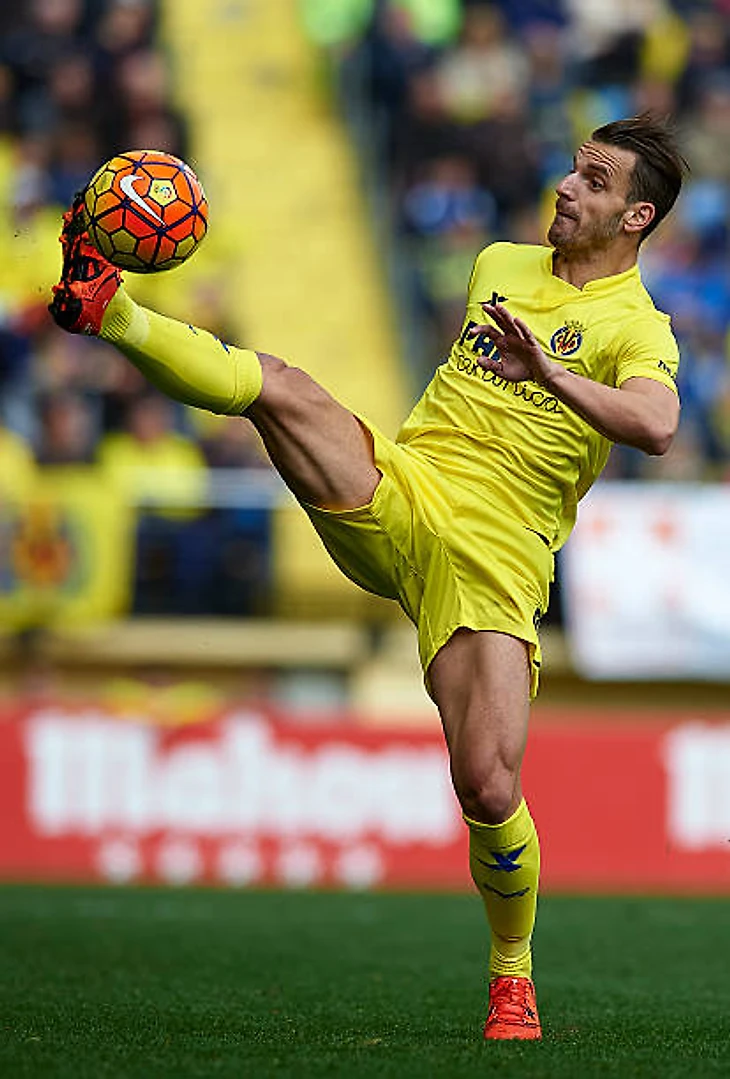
{"x": 146, "y": 211}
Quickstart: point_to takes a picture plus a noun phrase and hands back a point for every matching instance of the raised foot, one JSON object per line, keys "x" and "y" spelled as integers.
{"x": 88, "y": 281}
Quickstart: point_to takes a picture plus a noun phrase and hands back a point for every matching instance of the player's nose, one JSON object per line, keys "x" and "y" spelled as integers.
{"x": 566, "y": 188}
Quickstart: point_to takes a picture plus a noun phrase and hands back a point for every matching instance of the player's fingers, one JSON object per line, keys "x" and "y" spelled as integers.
{"x": 498, "y": 313}
{"x": 525, "y": 331}
{"x": 489, "y": 363}
{"x": 511, "y": 321}
{"x": 492, "y": 332}
{"x": 505, "y": 320}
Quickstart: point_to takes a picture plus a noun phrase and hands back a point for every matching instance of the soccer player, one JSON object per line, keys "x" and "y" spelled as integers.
{"x": 562, "y": 352}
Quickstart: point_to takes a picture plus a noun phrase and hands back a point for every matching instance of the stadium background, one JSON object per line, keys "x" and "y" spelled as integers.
{"x": 189, "y": 692}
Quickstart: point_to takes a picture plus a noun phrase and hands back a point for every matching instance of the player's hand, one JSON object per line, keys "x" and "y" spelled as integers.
{"x": 520, "y": 357}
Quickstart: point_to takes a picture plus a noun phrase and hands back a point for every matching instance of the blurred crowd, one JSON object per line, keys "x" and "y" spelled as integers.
{"x": 81, "y": 80}
{"x": 467, "y": 111}
{"x": 475, "y": 108}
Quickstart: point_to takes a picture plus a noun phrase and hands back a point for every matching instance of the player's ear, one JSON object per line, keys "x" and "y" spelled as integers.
{"x": 638, "y": 216}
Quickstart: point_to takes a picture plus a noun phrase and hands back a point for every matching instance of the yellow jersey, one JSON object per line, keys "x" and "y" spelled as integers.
{"x": 515, "y": 443}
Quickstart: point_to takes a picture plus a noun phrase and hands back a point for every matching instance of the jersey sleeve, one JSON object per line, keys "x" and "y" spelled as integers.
{"x": 481, "y": 262}
{"x": 648, "y": 349}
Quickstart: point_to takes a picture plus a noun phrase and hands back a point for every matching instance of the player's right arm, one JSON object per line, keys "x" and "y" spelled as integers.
{"x": 641, "y": 412}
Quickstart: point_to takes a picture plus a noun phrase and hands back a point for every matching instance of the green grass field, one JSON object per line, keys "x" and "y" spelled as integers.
{"x": 146, "y": 983}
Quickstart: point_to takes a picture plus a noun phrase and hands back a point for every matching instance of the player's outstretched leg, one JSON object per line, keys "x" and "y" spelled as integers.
{"x": 321, "y": 450}
{"x": 188, "y": 364}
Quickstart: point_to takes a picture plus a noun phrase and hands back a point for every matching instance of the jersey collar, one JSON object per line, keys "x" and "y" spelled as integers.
{"x": 600, "y": 284}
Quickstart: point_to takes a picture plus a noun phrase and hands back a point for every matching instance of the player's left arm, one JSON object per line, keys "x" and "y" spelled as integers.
{"x": 642, "y": 412}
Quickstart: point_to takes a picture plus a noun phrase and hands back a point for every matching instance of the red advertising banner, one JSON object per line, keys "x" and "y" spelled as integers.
{"x": 251, "y": 800}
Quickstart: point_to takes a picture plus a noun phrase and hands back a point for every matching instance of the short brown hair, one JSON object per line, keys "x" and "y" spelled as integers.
{"x": 660, "y": 167}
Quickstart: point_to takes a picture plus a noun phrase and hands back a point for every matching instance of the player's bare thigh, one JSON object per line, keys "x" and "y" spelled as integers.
{"x": 481, "y": 682}
{"x": 319, "y": 447}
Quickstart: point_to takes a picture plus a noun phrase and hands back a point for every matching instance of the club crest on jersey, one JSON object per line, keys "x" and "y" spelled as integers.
{"x": 567, "y": 339}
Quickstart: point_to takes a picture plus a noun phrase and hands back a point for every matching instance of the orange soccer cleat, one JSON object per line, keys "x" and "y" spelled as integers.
{"x": 512, "y": 1010}
{"x": 88, "y": 281}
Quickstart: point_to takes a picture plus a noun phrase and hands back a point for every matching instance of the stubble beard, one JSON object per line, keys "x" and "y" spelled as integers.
{"x": 589, "y": 242}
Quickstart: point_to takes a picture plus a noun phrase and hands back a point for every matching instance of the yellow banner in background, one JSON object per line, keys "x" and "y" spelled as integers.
{"x": 66, "y": 549}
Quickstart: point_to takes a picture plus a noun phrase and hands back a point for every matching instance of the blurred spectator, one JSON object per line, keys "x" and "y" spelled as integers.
{"x": 395, "y": 56}
{"x": 524, "y": 16}
{"x": 76, "y": 156}
{"x": 485, "y": 69}
{"x": 50, "y": 31}
{"x": 548, "y": 99}
{"x": 506, "y": 157}
{"x": 606, "y": 38}
{"x": 150, "y": 460}
{"x": 705, "y": 389}
{"x": 15, "y": 379}
{"x": 72, "y": 91}
{"x": 6, "y": 97}
{"x": 424, "y": 132}
{"x": 68, "y": 430}
{"x": 707, "y": 141}
{"x": 123, "y": 27}
{"x": 163, "y": 474}
{"x": 708, "y": 52}
{"x": 233, "y": 443}
{"x": 447, "y": 197}
{"x": 31, "y": 188}
{"x": 447, "y": 216}
{"x": 140, "y": 94}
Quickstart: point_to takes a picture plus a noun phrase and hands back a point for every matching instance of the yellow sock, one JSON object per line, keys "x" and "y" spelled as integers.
{"x": 187, "y": 364}
{"x": 505, "y": 865}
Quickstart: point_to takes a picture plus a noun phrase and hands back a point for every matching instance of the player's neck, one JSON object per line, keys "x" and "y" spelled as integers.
{"x": 580, "y": 267}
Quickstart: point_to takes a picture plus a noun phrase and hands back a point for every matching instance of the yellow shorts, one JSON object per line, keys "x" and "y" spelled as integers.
{"x": 450, "y": 559}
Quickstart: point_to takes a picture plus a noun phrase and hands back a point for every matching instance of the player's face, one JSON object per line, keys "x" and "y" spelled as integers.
{"x": 592, "y": 200}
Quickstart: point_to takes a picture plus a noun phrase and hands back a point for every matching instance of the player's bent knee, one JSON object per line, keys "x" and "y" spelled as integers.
{"x": 274, "y": 374}
{"x": 285, "y": 387}
{"x": 487, "y": 794}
